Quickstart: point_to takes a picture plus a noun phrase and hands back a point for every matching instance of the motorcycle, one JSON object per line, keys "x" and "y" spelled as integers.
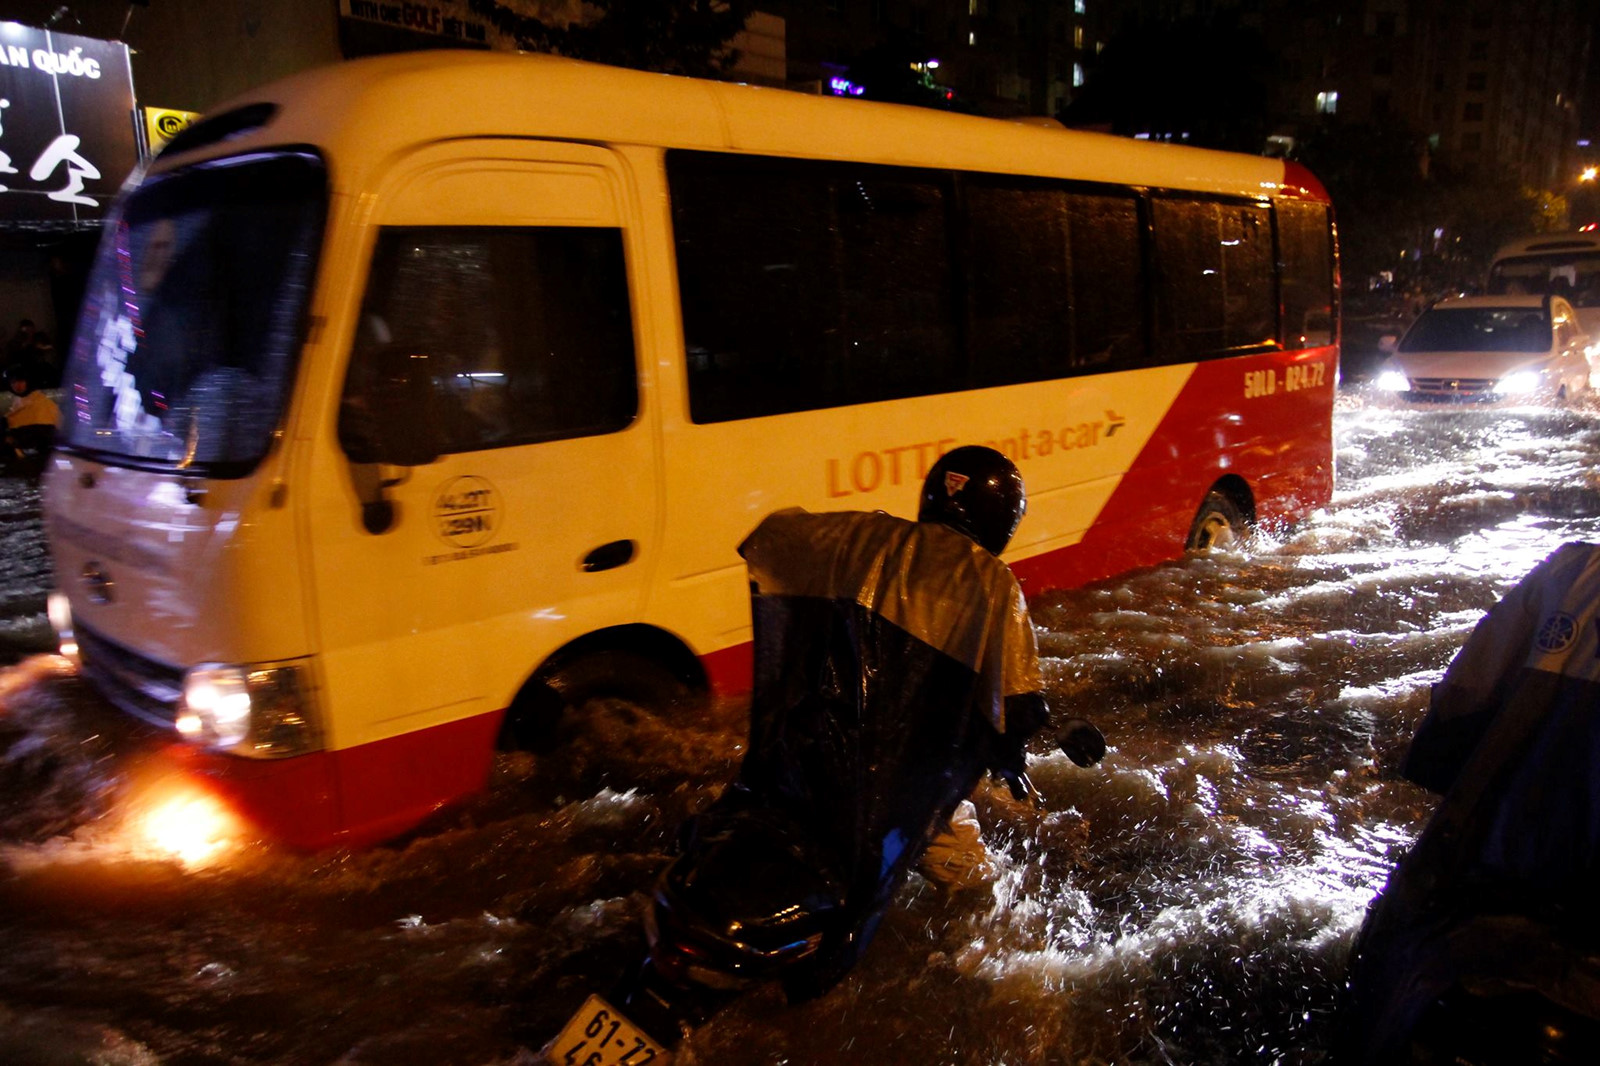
{"x": 757, "y": 894}
{"x": 894, "y": 667}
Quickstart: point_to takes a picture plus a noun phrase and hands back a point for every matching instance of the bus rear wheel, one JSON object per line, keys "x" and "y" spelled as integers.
{"x": 1218, "y": 524}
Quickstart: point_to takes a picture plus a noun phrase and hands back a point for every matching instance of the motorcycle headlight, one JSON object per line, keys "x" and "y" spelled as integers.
{"x": 1393, "y": 381}
{"x": 1520, "y": 382}
{"x": 263, "y": 711}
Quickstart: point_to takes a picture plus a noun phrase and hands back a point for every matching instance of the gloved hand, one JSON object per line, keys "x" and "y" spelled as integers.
{"x": 1081, "y": 742}
{"x": 1021, "y": 787}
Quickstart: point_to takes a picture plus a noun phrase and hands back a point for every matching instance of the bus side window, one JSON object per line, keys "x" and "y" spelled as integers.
{"x": 524, "y": 333}
{"x": 1107, "y": 282}
{"x": 1053, "y": 280}
{"x": 808, "y": 284}
{"x": 1305, "y": 256}
{"x": 1018, "y": 282}
{"x": 897, "y": 330}
{"x": 760, "y": 302}
{"x": 1215, "y": 270}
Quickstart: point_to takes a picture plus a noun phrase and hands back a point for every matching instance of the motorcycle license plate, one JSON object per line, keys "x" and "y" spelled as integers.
{"x": 598, "y": 1035}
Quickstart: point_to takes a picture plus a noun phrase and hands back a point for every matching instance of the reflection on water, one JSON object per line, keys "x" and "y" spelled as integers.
{"x": 1190, "y": 901}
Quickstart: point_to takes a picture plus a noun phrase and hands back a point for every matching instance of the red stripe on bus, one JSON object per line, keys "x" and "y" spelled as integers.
{"x": 1279, "y": 444}
{"x": 356, "y": 796}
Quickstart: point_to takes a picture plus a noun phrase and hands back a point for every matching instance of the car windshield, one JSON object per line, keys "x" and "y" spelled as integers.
{"x": 1572, "y": 275}
{"x": 1479, "y": 329}
{"x": 194, "y": 313}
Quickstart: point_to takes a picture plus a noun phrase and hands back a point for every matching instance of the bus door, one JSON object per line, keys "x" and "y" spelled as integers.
{"x": 487, "y": 488}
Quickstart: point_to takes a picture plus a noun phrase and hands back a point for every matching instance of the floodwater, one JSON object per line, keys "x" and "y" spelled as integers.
{"x": 1191, "y": 900}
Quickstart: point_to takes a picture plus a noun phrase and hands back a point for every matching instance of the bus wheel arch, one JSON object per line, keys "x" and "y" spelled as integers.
{"x": 1225, "y": 516}
{"x": 637, "y": 663}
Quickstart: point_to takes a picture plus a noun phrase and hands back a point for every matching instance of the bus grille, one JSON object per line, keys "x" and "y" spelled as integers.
{"x": 1452, "y": 388}
{"x": 140, "y": 686}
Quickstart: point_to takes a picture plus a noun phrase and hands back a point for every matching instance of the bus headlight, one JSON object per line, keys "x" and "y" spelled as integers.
{"x": 263, "y": 711}
{"x": 59, "y": 610}
{"x": 1520, "y": 382}
{"x": 1393, "y": 381}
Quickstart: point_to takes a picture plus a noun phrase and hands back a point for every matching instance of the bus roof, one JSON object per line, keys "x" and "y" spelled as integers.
{"x": 366, "y": 110}
{"x": 1547, "y": 243}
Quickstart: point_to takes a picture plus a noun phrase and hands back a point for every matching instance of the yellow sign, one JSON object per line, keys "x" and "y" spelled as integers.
{"x": 162, "y": 124}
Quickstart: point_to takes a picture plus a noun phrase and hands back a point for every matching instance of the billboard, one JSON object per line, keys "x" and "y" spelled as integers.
{"x": 67, "y": 133}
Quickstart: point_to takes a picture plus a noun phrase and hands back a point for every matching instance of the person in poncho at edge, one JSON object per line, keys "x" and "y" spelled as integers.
{"x": 1483, "y": 946}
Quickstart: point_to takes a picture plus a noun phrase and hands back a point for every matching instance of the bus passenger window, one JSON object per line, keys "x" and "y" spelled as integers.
{"x": 1107, "y": 283}
{"x": 1215, "y": 263}
{"x": 1305, "y": 255}
{"x": 897, "y": 333}
{"x": 1250, "y": 299}
{"x": 756, "y": 282}
{"x": 1019, "y": 315}
{"x": 525, "y": 334}
{"x": 808, "y": 284}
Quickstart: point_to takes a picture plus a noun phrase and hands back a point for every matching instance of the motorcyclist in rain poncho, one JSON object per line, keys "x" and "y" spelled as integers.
{"x": 1485, "y": 946}
{"x": 895, "y": 664}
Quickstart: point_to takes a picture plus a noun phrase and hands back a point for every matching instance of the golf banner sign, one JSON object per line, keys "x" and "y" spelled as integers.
{"x": 67, "y": 132}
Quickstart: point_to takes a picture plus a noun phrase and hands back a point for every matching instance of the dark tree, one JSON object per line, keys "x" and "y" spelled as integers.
{"x": 1375, "y": 176}
{"x": 1204, "y": 77}
{"x": 668, "y": 36}
{"x": 1391, "y": 197}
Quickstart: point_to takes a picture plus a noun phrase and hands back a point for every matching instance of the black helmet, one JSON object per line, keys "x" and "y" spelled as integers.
{"x": 978, "y": 492}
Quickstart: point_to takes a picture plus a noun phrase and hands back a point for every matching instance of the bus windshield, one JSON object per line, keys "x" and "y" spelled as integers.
{"x": 1573, "y": 275}
{"x": 194, "y": 314}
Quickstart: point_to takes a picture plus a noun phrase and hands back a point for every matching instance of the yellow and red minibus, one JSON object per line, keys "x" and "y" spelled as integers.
{"x": 1553, "y": 264}
{"x": 416, "y": 398}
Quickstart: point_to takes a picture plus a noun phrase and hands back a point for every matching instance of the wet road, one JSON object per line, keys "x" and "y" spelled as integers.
{"x": 1192, "y": 900}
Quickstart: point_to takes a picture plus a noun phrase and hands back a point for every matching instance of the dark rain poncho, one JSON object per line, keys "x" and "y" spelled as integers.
{"x": 894, "y": 664}
{"x": 1499, "y": 892}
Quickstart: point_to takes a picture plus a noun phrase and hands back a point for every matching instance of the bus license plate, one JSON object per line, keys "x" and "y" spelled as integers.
{"x": 598, "y": 1035}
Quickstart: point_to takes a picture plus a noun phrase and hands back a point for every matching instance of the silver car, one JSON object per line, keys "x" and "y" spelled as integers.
{"x": 1487, "y": 348}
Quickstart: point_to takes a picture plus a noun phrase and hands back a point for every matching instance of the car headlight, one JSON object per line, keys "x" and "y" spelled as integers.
{"x": 1520, "y": 382}
{"x": 264, "y": 711}
{"x": 1393, "y": 381}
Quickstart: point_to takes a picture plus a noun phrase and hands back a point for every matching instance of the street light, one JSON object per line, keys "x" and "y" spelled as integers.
{"x": 1589, "y": 173}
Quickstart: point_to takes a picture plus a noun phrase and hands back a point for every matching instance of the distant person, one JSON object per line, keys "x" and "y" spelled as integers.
{"x": 1483, "y": 943}
{"x": 30, "y": 423}
{"x": 45, "y": 359}
{"x": 20, "y": 341}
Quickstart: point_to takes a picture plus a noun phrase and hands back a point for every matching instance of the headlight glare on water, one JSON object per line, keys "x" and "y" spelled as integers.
{"x": 1393, "y": 381}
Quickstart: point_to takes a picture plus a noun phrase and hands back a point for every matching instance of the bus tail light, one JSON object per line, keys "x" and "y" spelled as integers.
{"x": 262, "y": 711}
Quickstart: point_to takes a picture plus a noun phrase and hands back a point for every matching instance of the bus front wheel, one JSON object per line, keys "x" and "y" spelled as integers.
{"x": 534, "y": 720}
{"x": 1218, "y": 524}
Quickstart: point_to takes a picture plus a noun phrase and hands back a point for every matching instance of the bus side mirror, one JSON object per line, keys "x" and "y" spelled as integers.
{"x": 393, "y": 418}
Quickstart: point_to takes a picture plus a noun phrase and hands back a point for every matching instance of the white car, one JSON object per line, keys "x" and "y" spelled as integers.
{"x": 1484, "y": 348}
